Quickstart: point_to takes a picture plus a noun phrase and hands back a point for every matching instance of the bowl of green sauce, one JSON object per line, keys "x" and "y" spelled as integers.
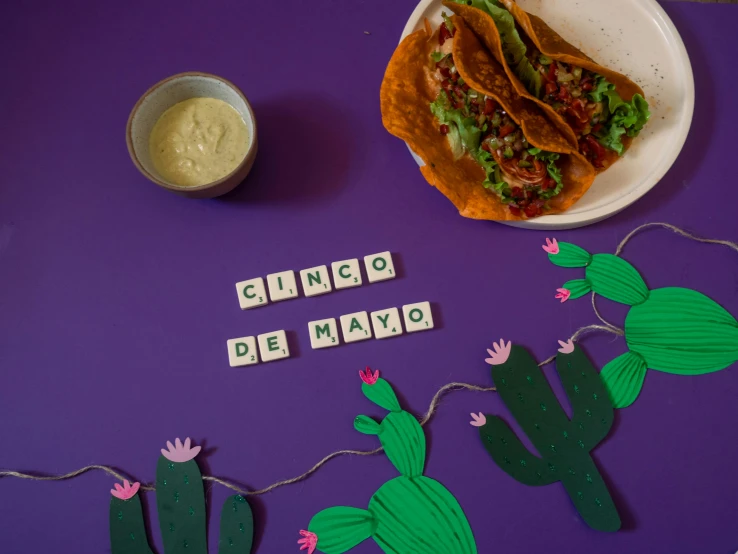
{"x": 194, "y": 134}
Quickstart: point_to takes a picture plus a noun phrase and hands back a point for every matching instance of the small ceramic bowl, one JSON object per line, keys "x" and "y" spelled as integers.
{"x": 165, "y": 94}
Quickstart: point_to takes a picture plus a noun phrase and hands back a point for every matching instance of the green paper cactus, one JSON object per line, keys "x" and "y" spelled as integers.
{"x": 410, "y": 514}
{"x": 674, "y": 330}
{"x": 180, "y": 501}
{"x": 564, "y": 444}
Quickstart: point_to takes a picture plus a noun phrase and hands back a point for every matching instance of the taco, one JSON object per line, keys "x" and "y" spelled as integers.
{"x": 597, "y": 109}
{"x": 489, "y": 151}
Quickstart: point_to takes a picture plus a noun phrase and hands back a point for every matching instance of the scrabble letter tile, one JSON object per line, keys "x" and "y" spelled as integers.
{"x": 323, "y": 333}
{"x": 242, "y": 352}
{"x": 346, "y": 274}
{"x": 418, "y": 317}
{"x": 386, "y": 323}
{"x": 355, "y": 327}
{"x": 315, "y": 280}
{"x": 251, "y": 293}
{"x": 273, "y": 346}
{"x": 379, "y": 267}
{"x": 282, "y": 285}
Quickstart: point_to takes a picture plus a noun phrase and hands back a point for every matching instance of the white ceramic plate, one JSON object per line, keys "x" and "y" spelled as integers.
{"x": 637, "y": 38}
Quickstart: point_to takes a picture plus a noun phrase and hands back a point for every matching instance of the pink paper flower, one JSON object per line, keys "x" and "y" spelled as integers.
{"x": 478, "y": 420}
{"x": 551, "y": 246}
{"x": 309, "y": 541}
{"x": 178, "y": 452}
{"x": 500, "y": 354}
{"x": 368, "y": 377}
{"x": 566, "y": 347}
{"x": 127, "y": 491}
{"x": 564, "y": 294}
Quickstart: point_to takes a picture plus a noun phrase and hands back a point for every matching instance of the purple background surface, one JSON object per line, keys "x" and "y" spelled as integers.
{"x": 116, "y": 297}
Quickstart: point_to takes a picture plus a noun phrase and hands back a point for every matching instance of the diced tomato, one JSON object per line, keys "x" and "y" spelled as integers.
{"x": 564, "y": 95}
{"x": 459, "y": 91}
{"x": 577, "y": 110}
{"x": 596, "y": 147}
{"x": 443, "y": 34}
{"x": 445, "y": 71}
{"x": 444, "y": 129}
{"x": 514, "y": 210}
{"x": 597, "y": 128}
{"x": 489, "y": 106}
{"x": 506, "y": 130}
{"x": 531, "y": 210}
{"x": 459, "y": 105}
{"x": 592, "y": 150}
{"x": 548, "y": 183}
{"x": 446, "y": 84}
{"x": 586, "y": 87}
{"x": 551, "y": 88}
{"x": 517, "y": 192}
{"x": 552, "y": 72}
{"x": 465, "y": 87}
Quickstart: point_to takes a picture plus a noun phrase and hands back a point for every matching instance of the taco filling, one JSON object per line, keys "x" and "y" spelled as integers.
{"x": 587, "y": 101}
{"x": 590, "y": 105}
{"x": 524, "y": 177}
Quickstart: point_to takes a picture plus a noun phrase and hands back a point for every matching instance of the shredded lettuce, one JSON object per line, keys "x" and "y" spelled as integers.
{"x": 512, "y": 45}
{"x": 448, "y": 22}
{"x": 612, "y": 138}
{"x": 493, "y": 181}
{"x": 549, "y": 158}
{"x": 460, "y": 127}
{"x": 620, "y": 117}
{"x": 601, "y": 86}
{"x": 465, "y": 135}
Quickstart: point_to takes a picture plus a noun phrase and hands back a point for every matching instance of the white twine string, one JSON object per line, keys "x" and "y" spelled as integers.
{"x": 678, "y": 231}
{"x": 606, "y": 327}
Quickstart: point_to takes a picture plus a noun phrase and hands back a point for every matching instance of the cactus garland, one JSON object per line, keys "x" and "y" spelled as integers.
{"x": 675, "y": 330}
{"x": 180, "y": 501}
{"x": 564, "y": 444}
{"x": 410, "y": 514}
{"x": 127, "y": 529}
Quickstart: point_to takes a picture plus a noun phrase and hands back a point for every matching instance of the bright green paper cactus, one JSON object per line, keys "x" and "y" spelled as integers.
{"x": 410, "y": 514}
{"x": 180, "y": 501}
{"x": 674, "y": 330}
{"x": 564, "y": 444}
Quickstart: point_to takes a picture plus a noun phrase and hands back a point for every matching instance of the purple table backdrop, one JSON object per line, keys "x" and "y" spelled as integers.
{"x": 117, "y": 297}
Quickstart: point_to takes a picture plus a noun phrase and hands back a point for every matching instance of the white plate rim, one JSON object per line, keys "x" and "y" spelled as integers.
{"x": 568, "y": 221}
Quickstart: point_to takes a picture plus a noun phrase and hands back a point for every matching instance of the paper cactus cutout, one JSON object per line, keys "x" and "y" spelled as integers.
{"x": 127, "y": 530}
{"x": 564, "y": 444}
{"x": 180, "y": 501}
{"x": 674, "y": 330}
{"x": 410, "y": 513}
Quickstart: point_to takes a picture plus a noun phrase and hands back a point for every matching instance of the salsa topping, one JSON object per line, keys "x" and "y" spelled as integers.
{"x": 591, "y": 107}
{"x": 524, "y": 177}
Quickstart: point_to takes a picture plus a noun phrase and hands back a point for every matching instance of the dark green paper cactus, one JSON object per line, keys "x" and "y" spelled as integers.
{"x": 674, "y": 330}
{"x": 410, "y": 514}
{"x": 180, "y": 501}
{"x": 564, "y": 444}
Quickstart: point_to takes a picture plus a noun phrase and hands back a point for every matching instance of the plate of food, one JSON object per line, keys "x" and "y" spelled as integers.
{"x": 543, "y": 115}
